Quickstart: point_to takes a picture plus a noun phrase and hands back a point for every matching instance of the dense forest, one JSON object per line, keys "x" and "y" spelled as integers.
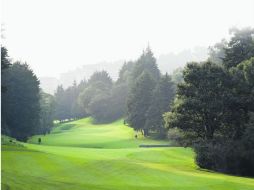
{"x": 208, "y": 106}
{"x": 214, "y": 107}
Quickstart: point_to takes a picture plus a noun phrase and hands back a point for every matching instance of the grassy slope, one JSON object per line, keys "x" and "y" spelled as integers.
{"x": 114, "y": 135}
{"x": 66, "y": 160}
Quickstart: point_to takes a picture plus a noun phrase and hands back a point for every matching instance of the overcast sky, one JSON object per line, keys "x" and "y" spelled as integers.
{"x": 55, "y": 36}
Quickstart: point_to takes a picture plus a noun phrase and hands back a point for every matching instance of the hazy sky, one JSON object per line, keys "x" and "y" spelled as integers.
{"x": 55, "y": 36}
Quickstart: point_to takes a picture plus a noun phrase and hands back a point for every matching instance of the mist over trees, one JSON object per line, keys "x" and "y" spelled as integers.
{"x": 98, "y": 97}
{"x": 140, "y": 94}
{"x": 149, "y": 96}
{"x": 167, "y": 63}
{"x": 67, "y": 105}
{"x": 213, "y": 108}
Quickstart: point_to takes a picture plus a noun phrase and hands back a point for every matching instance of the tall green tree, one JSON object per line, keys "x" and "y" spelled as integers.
{"x": 144, "y": 76}
{"x": 200, "y": 105}
{"x": 139, "y": 101}
{"x": 20, "y": 103}
{"x": 162, "y": 97}
{"x": 214, "y": 110}
{"x": 62, "y": 110}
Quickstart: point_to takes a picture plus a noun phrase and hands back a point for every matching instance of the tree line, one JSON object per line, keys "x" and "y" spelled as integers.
{"x": 141, "y": 95}
{"x": 213, "y": 111}
{"x": 26, "y": 109}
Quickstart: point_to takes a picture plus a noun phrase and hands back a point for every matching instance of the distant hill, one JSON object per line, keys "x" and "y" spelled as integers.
{"x": 49, "y": 84}
{"x": 166, "y": 63}
{"x": 86, "y": 71}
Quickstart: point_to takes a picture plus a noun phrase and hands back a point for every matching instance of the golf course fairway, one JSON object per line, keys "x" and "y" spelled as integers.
{"x": 81, "y": 155}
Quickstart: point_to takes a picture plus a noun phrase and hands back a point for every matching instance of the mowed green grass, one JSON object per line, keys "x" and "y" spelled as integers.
{"x": 83, "y": 133}
{"x": 106, "y": 157}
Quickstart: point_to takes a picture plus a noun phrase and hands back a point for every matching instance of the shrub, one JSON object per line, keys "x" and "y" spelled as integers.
{"x": 234, "y": 157}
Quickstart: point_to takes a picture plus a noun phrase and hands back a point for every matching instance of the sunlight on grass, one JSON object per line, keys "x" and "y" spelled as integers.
{"x": 68, "y": 159}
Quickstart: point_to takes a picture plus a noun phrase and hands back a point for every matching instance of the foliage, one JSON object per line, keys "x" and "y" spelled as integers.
{"x": 146, "y": 63}
{"x": 98, "y": 108}
{"x": 139, "y": 101}
{"x": 96, "y": 98}
{"x": 197, "y": 99}
{"x": 5, "y": 61}
{"x": 118, "y": 100}
{"x": 101, "y": 78}
{"x": 240, "y": 47}
{"x": 20, "y": 103}
{"x": 214, "y": 106}
{"x": 125, "y": 72}
{"x": 61, "y": 107}
{"x": 231, "y": 156}
{"x": 217, "y": 52}
{"x": 162, "y": 97}
{"x": 68, "y": 105}
{"x": 106, "y": 100}
{"x": 149, "y": 95}
{"x": 177, "y": 76}
{"x": 47, "y": 110}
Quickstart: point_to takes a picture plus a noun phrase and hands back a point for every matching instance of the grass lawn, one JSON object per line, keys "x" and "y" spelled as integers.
{"x": 81, "y": 155}
{"x": 83, "y": 133}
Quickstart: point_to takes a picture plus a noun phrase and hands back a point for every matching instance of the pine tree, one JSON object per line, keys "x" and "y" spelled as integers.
{"x": 60, "y": 112}
{"x": 20, "y": 103}
{"x": 147, "y": 63}
{"x": 139, "y": 101}
{"x": 163, "y": 95}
